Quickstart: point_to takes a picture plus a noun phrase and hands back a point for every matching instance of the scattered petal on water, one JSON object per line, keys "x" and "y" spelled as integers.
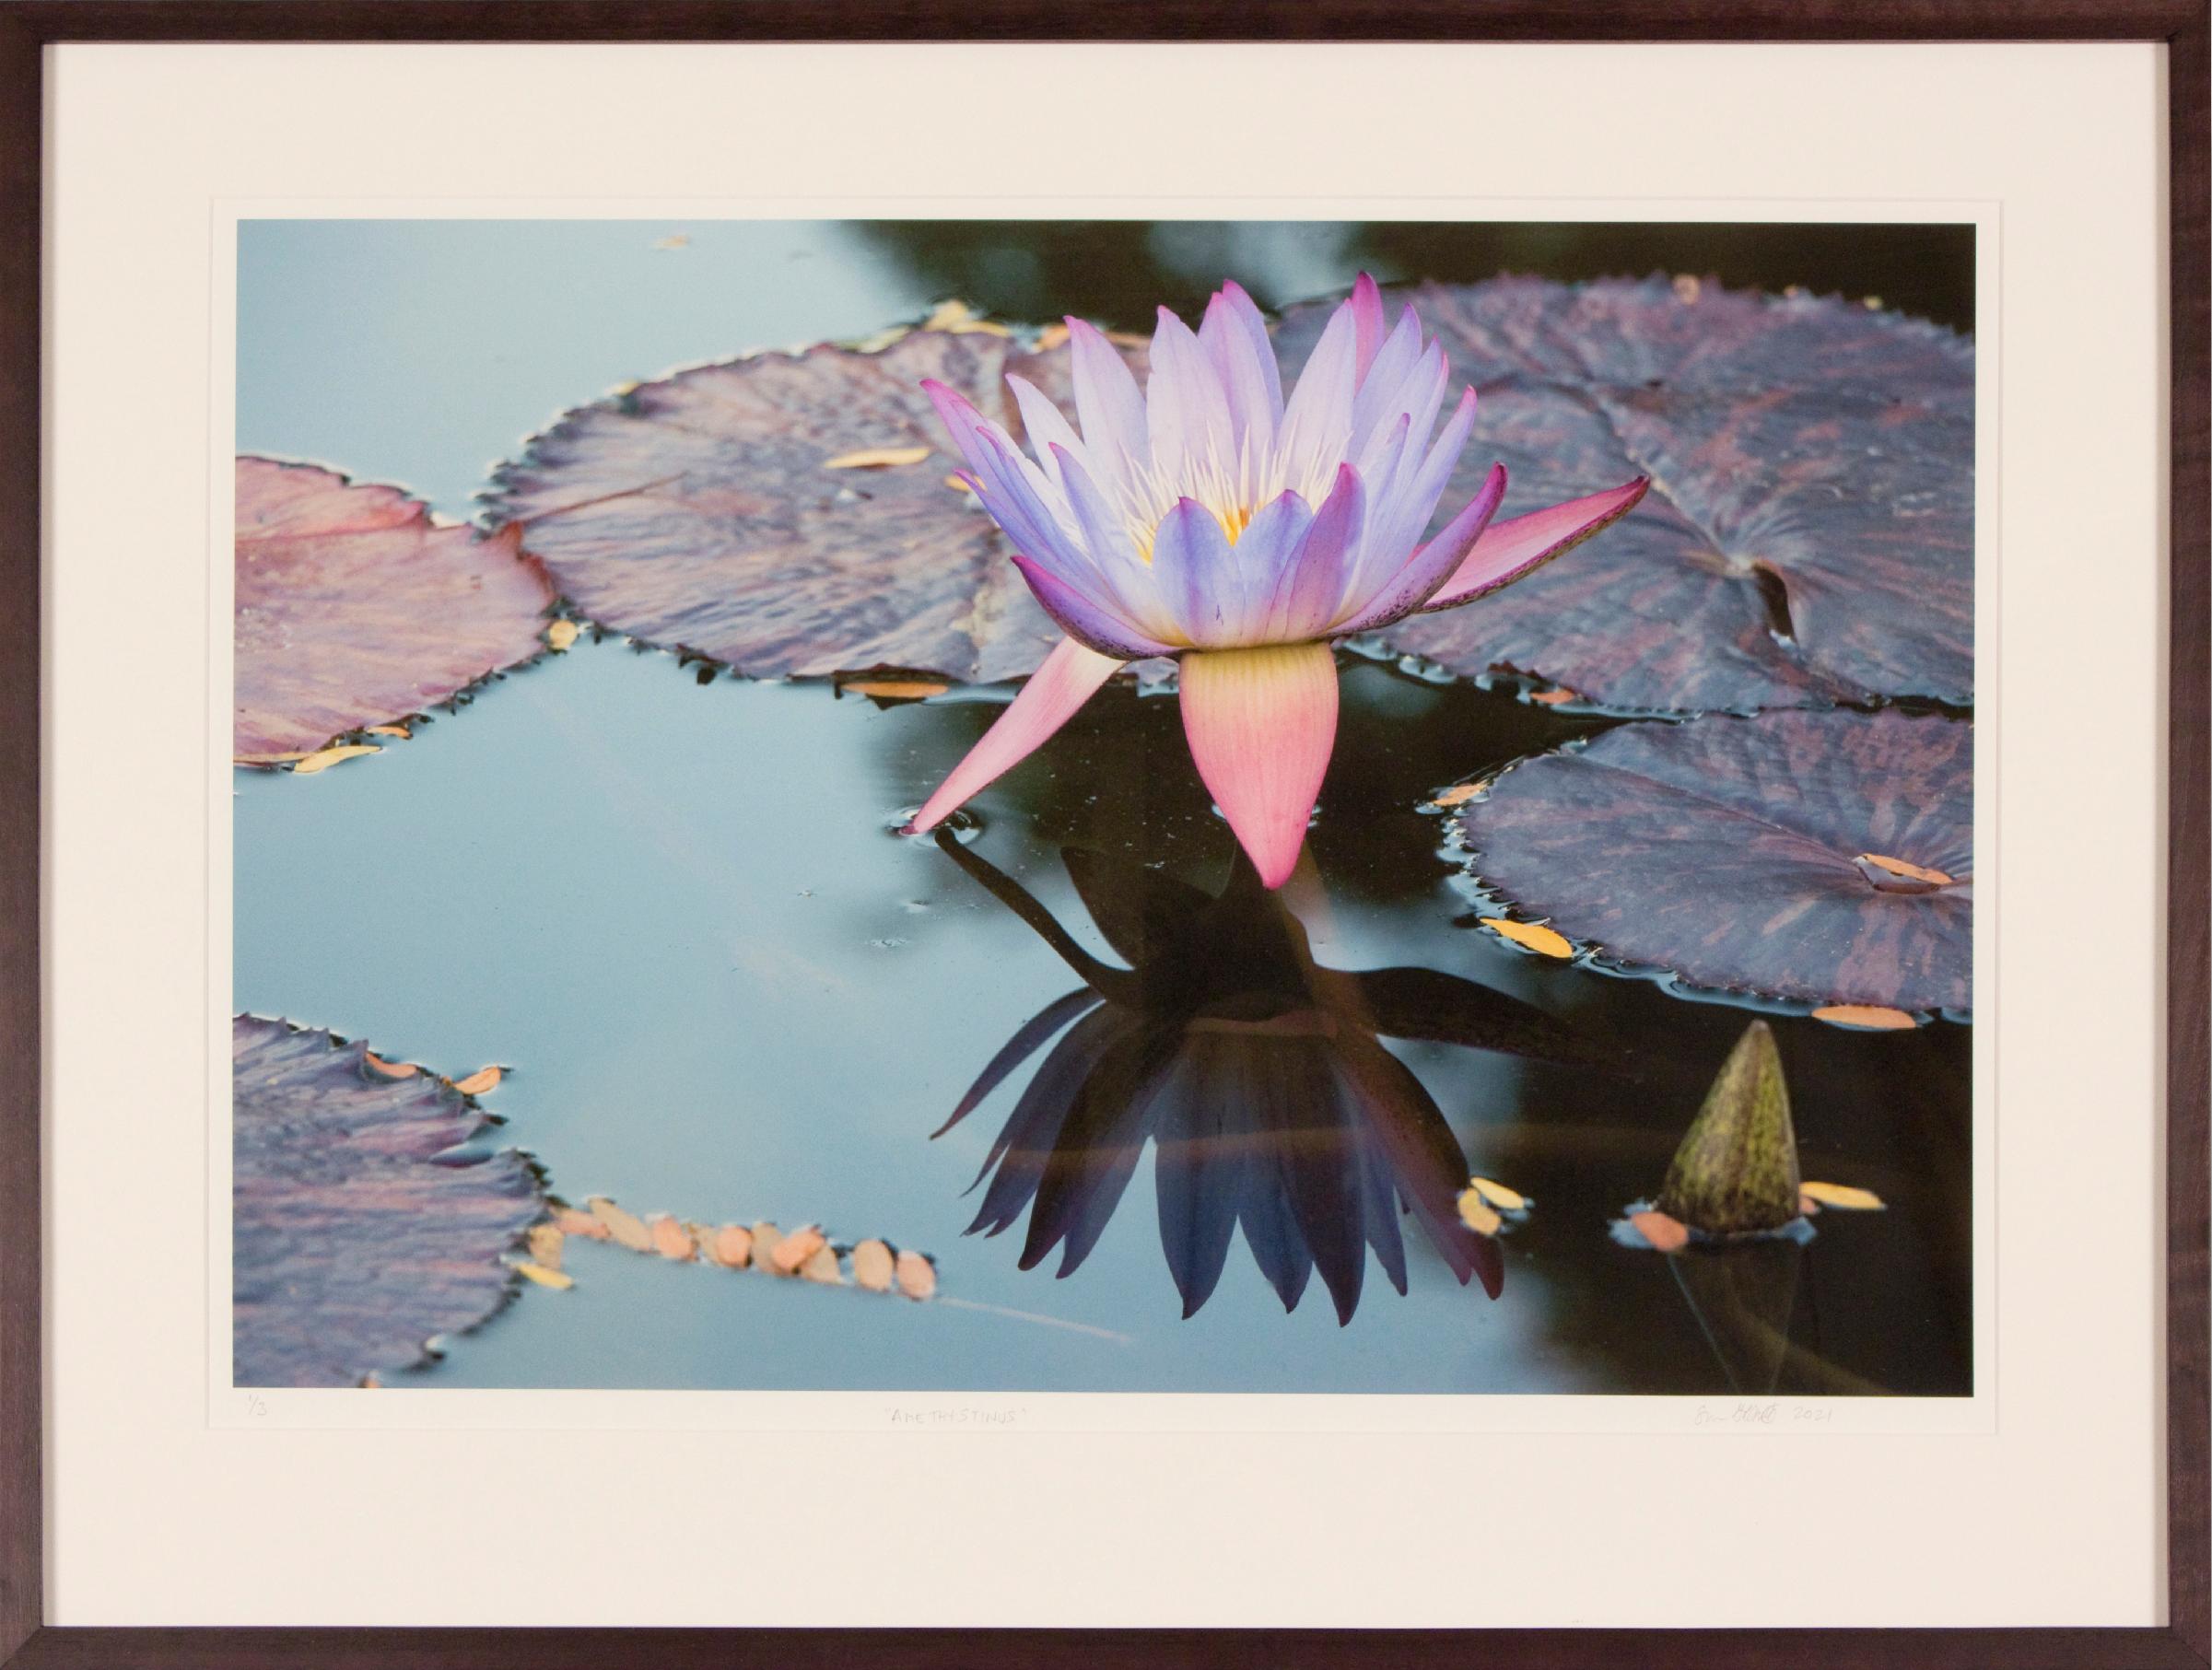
{"x": 822, "y": 1266}
{"x": 917, "y": 1275}
{"x": 1866, "y": 1017}
{"x": 483, "y": 1079}
{"x": 627, "y": 1228}
{"x": 545, "y": 1242}
{"x": 732, "y": 1246}
{"x": 560, "y": 635}
{"x": 873, "y": 1267}
{"x": 877, "y": 458}
{"x": 399, "y": 731}
{"x": 1725, "y": 851}
{"x": 1843, "y": 1196}
{"x": 1898, "y": 867}
{"x": 1555, "y": 697}
{"x": 322, "y": 759}
{"x": 794, "y": 1249}
{"x": 1498, "y": 1194}
{"x": 894, "y": 689}
{"x": 1534, "y": 936}
{"x": 1666, "y": 1234}
{"x": 543, "y": 1276}
{"x": 1459, "y": 794}
{"x": 390, "y": 1069}
{"x": 670, "y": 1240}
{"x": 571, "y": 1221}
{"x": 1475, "y": 1214}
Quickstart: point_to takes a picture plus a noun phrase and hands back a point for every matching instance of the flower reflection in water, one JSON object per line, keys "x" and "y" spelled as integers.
{"x": 1257, "y": 1074}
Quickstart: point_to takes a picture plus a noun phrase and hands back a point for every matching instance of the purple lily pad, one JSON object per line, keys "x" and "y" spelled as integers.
{"x": 1809, "y": 534}
{"x": 1820, "y": 858}
{"x": 355, "y": 609}
{"x": 734, "y": 511}
{"x": 359, "y": 1229}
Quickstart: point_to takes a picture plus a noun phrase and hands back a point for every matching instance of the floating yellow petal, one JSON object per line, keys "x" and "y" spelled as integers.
{"x": 959, "y": 319}
{"x": 873, "y": 1267}
{"x": 1842, "y": 1197}
{"x": 626, "y": 1228}
{"x": 543, "y": 1276}
{"x": 1477, "y": 1216}
{"x": 877, "y": 458}
{"x": 670, "y": 1240}
{"x": 894, "y": 689}
{"x": 1533, "y": 935}
{"x": 1498, "y": 1194}
{"x": 916, "y": 1276}
{"x": 1459, "y": 794}
{"x": 559, "y": 635}
{"x": 323, "y": 758}
{"x": 1870, "y": 1017}
{"x": 544, "y": 1241}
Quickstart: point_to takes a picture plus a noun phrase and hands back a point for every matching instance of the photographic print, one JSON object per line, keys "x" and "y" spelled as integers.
{"x": 1049, "y": 806}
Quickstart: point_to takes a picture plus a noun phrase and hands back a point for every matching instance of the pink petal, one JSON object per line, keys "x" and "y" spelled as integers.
{"x": 1070, "y": 677}
{"x": 1367, "y": 306}
{"x": 1508, "y": 550}
{"x": 1261, "y": 723}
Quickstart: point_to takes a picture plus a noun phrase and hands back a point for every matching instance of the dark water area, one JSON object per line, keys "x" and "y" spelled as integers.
{"x": 724, "y": 990}
{"x": 668, "y": 901}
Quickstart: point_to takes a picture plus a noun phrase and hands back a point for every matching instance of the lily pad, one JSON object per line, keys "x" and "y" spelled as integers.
{"x": 354, "y": 609}
{"x": 792, "y": 515}
{"x": 1809, "y": 534}
{"x": 1731, "y": 853}
{"x": 361, "y": 1228}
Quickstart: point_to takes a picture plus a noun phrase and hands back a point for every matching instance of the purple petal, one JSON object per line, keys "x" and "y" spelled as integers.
{"x": 1261, "y": 723}
{"x": 1268, "y": 544}
{"x": 1045, "y": 426}
{"x": 1185, "y": 408}
{"x": 1083, "y": 618}
{"x": 1196, "y": 572}
{"x": 1107, "y": 401}
{"x": 1317, "y": 421}
{"x": 1311, "y": 582}
{"x": 1434, "y": 563}
{"x": 1124, "y": 577}
{"x": 1383, "y": 390}
{"x": 1070, "y": 677}
{"x": 961, "y": 420}
{"x": 1236, "y": 342}
{"x": 1511, "y": 549}
{"x": 1414, "y": 493}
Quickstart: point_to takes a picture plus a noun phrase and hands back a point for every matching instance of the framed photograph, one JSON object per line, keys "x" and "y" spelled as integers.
{"x": 1336, "y": 838}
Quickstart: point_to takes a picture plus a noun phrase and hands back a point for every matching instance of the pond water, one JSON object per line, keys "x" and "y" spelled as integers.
{"x": 670, "y": 903}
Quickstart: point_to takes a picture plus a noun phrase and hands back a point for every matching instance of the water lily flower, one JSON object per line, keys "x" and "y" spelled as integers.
{"x": 1207, "y": 518}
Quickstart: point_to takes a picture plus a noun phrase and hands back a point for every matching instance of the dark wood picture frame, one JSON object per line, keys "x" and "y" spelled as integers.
{"x": 2185, "y": 29}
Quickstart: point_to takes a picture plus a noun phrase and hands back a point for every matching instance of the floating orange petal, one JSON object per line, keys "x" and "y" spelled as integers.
{"x": 916, "y": 1276}
{"x": 877, "y": 458}
{"x": 1898, "y": 867}
{"x": 1842, "y": 1197}
{"x": 477, "y": 1082}
{"x": 1666, "y": 1234}
{"x": 670, "y": 1240}
{"x": 873, "y": 1267}
{"x": 1869, "y": 1017}
{"x": 1534, "y": 936}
